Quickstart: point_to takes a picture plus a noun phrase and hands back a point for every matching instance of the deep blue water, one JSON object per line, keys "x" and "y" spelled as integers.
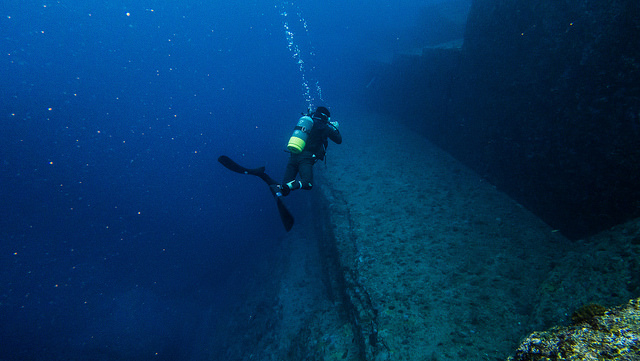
{"x": 118, "y": 228}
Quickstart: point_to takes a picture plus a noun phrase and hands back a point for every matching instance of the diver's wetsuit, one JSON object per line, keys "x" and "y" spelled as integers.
{"x": 314, "y": 150}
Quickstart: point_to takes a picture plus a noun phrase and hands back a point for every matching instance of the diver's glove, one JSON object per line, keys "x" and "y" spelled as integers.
{"x": 335, "y": 124}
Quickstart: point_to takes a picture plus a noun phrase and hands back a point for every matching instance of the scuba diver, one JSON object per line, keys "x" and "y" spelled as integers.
{"x": 306, "y": 151}
{"x": 307, "y": 145}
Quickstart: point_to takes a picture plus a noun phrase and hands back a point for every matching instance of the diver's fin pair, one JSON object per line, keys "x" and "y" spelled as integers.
{"x": 285, "y": 215}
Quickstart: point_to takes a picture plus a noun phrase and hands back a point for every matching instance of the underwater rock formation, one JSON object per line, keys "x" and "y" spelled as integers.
{"x": 428, "y": 261}
{"x": 614, "y": 335}
{"x": 542, "y": 100}
{"x": 434, "y": 262}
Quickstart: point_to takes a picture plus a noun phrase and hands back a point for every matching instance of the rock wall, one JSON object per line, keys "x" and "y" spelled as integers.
{"x": 543, "y": 100}
{"x": 431, "y": 262}
{"x": 435, "y": 263}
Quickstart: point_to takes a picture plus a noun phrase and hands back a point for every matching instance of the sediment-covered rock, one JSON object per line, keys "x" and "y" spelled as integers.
{"x": 602, "y": 269}
{"x": 436, "y": 263}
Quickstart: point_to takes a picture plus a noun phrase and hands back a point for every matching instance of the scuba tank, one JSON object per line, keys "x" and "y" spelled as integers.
{"x": 300, "y": 134}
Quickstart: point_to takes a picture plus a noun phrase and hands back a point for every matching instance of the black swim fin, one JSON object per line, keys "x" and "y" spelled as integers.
{"x": 285, "y": 215}
{"x": 235, "y": 167}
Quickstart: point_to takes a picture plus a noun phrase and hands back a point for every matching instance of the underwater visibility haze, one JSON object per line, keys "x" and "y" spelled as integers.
{"x": 488, "y": 167}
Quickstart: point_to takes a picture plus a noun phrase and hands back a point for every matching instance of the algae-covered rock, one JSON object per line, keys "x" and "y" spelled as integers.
{"x": 587, "y": 313}
{"x": 614, "y": 335}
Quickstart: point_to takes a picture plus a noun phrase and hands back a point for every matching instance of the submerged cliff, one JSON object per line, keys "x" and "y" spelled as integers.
{"x": 431, "y": 262}
{"x": 436, "y": 263}
{"x": 543, "y": 100}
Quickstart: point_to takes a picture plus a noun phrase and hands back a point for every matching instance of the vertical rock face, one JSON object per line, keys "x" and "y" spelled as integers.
{"x": 544, "y": 101}
{"x": 555, "y": 97}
